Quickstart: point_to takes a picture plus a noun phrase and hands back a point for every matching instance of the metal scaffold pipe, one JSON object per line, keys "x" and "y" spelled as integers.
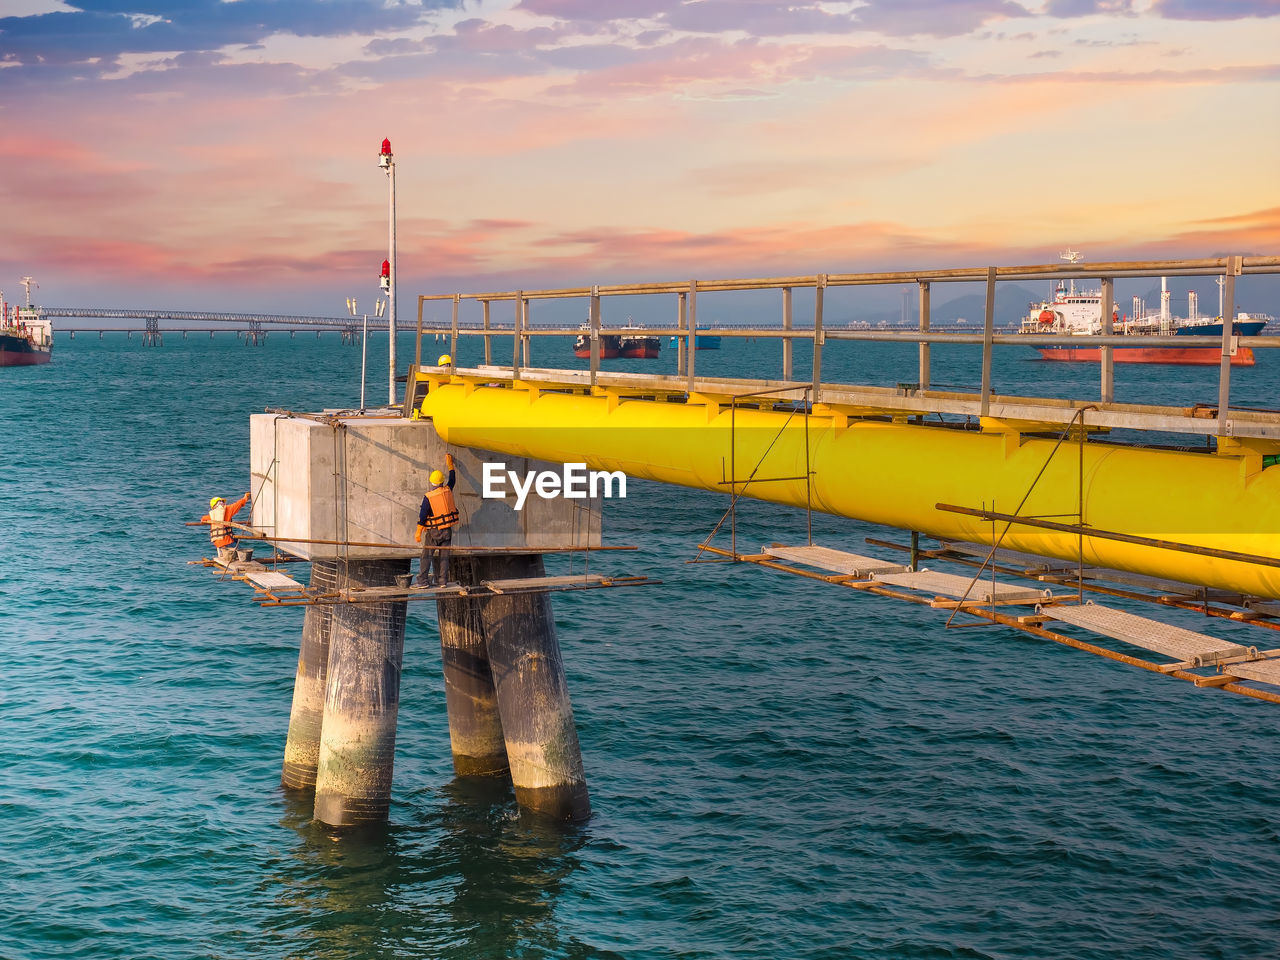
{"x": 895, "y": 473}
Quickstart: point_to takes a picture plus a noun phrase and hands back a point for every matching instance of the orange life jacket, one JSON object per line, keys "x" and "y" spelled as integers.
{"x": 444, "y": 511}
{"x": 219, "y": 530}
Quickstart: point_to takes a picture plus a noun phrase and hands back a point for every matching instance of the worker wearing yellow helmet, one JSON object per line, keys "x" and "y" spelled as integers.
{"x": 219, "y": 520}
{"x": 444, "y": 361}
{"x": 437, "y": 517}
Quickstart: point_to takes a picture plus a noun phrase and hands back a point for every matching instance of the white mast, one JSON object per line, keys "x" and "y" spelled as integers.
{"x": 388, "y": 163}
{"x": 1164, "y": 300}
{"x": 26, "y": 285}
{"x": 1072, "y": 257}
{"x": 1220, "y": 281}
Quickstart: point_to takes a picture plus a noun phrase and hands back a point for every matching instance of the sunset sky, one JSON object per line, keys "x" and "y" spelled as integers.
{"x": 224, "y": 154}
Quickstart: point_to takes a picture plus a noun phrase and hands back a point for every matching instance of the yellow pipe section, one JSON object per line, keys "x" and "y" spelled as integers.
{"x": 894, "y": 473}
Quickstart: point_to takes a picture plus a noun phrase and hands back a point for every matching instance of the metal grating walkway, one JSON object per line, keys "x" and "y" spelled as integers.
{"x": 1183, "y": 645}
{"x": 953, "y": 585}
{"x": 837, "y": 561}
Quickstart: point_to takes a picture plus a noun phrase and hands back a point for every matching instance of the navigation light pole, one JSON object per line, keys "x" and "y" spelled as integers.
{"x": 387, "y": 161}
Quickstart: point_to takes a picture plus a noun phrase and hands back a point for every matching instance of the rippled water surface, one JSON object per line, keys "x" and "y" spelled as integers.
{"x": 777, "y": 768}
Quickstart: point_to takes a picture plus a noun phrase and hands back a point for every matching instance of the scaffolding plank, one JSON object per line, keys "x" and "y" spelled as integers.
{"x": 837, "y": 561}
{"x": 1262, "y": 671}
{"x": 953, "y": 585}
{"x": 1144, "y": 632}
{"x": 542, "y": 583}
{"x": 270, "y": 580}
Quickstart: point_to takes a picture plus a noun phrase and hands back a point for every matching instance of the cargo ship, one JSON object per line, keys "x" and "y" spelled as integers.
{"x": 609, "y": 344}
{"x": 1074, "y": 313}
{"x": 26, "y": 338}
{"x": 637, "y": 345}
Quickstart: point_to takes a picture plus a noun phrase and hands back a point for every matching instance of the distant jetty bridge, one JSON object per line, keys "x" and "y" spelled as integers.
{"x": 252, "y": 326}
{"x": 1056, "y": 517}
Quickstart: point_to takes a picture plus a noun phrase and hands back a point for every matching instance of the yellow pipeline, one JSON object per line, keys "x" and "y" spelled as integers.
{"x": 895, "y": 473}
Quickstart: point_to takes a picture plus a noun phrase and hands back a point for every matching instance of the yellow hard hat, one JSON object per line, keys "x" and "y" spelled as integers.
{"x": 444, "y": 361}
{"x": 437, "y": 476}
{"x": 214, "y": 502}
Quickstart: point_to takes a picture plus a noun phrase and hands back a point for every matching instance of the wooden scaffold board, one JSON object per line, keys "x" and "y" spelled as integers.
{"x": 1182, "y": 645}
{"x": 837, "y": 561}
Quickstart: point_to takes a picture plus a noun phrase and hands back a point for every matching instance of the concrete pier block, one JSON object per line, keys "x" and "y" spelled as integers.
{"x": 533, "y": 696}
{"x": 302, "y": 747}
{"x": 475, "y": 726}
{"x": 362, "y": 699}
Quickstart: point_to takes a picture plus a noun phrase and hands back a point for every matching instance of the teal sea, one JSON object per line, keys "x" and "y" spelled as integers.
{"x": 778, "y": 769}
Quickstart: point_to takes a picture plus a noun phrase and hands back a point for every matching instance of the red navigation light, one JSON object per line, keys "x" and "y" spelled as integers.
{"x": 386, "y": 147}
{"x": 386, "y": 268}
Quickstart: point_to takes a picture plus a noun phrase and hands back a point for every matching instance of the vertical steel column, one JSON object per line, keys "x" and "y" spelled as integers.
{"x": 526, "y": 342}
{"x": 819, "y": 289}
{"x": 594, "y": 318}
{"x": 532, "y": 694}
{"x": 488, "y": 340}
{"x": 362, "y": 699}
{"x": 417, "y": 353}
{"x": 987, "y": 325}
{"x": 516, "y": 338}
{"x": 682, "y": 321}
{"x": 1234, "y": 269}
{"x": 692, "y": 351}
{"x": 1108, "y": 360}
{"x": 453, "y": 339}
{"x": 925, "y": 356}
{"x": 302, "y": 746}
{"x": 786, "y": 341}
{"x": 475, "y": 727}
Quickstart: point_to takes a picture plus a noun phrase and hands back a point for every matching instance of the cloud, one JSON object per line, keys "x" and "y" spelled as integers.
{"x": 93, "y": 36}
{"x": 1215, "y": 9}
{"x": 938, "y": 18}
{"x": 759, "y": 18}
{"x": 701, "y": 67}
{"x": 595, "y": 11}
{"x": 1085, "y": 8}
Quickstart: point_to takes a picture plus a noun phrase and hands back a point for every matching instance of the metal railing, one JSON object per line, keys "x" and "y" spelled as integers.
{"x": 686, "y": 329}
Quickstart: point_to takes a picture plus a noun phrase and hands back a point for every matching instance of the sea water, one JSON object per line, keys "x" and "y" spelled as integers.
{"x": 777, "y": 768}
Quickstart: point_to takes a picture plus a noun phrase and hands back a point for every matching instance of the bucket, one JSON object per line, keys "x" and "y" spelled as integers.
{"x": 244, "y": 556}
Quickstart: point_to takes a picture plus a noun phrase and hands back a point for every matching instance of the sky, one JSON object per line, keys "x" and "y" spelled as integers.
{"x": 223, "y": 155}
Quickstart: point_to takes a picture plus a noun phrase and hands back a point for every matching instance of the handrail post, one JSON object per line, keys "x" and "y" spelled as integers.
{"x": 515, "y": 340}
{"x": 692, "y": 335}
{"x": 488, "y": 340}
{"x": 453, "y": 339}
{"x": 925, "y": 358}
{"x": 682, "y": 321}
{"x": 819, "y": 289}
{"x": 1234, "y": 269}
{"x": 417, "y": 357}
{"x": 1108, "y": 360}
{"x": 786, "y": 341}
{"x": 593, "y": 317}
{"x": 526, "y": 342}
{"x": 987, "y": 329}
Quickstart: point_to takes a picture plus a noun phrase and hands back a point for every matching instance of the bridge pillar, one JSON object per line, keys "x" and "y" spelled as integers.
{"x": 475, "y": 725}
{"x": 302, "y": 747}
{"x": 532, "y": 694}
{"x": 362, "y": 699}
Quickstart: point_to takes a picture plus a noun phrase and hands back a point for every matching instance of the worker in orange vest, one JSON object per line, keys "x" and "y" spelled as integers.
{"x": 437, "y": 517}
{"x": 219, "y": 519}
